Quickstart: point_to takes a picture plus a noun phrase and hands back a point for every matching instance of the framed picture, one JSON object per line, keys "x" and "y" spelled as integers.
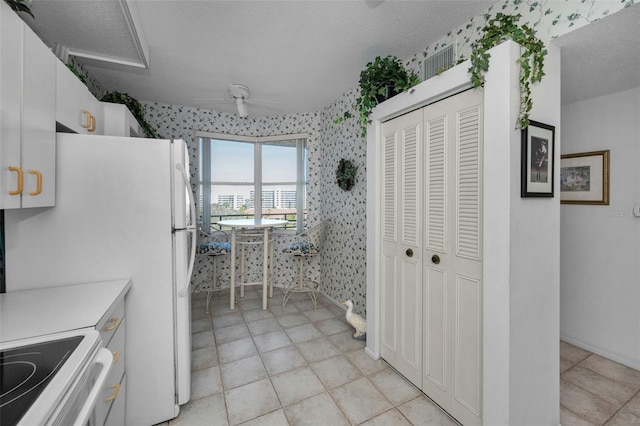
{"x": 584, "y": 178}
{"x": 537, "y": 160}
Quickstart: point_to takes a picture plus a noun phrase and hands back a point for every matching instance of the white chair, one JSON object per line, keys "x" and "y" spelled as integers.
{"x": 212, "y": 245}
{"x": 307, "y": 244}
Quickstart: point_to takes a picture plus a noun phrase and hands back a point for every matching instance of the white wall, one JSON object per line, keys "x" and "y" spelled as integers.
{"x": 600, "y": 245}
{"x": 521, "y": 255}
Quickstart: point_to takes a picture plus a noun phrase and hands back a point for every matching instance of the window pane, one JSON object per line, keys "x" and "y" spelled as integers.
{"x": 230, "y": 179}
{"x": 279, "y": 202}
{"x": 232, "y": 161}
{"x": 279, "y": 162}
{"x": 229, "y": 201}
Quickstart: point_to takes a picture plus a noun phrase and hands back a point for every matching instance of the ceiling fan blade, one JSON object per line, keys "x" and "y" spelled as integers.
{"x": 265, "y": 102}
{"x": 212, "y": 100}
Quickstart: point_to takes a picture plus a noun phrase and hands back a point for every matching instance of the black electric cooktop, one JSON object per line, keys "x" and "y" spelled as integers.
{"x": 26, "y": 371}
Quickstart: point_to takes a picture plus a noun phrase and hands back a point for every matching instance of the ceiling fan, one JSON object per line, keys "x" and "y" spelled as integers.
{"x": 240, "y": 96}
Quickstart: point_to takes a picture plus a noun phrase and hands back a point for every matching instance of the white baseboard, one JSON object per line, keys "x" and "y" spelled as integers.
{"x": 602, "y": 352}
{"x": 334, "y": 301}
{"x": 371, "y": 353}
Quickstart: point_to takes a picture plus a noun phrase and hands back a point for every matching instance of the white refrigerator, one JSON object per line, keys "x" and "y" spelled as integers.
{"x": 124, "y": 209}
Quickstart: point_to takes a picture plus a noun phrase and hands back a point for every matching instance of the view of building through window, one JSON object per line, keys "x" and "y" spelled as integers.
{"x": 234, "y": 169}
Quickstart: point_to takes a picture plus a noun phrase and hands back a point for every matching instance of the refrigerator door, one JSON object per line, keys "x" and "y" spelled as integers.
{"x": 183, "y": 261}
{"x": 112, "y": 220}
{"x": 184, "y": 254}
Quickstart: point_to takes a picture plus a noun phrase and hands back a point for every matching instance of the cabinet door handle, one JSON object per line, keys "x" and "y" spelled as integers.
{"x": 18, "y": 190}
{"x": 114, "y": 324}
{"x": 116, "y": 356}
{"x": 93, "y": 120}
{"x": 87, "y": 122}
{"x": 114, "y": 395}
{"x": 38, "y": 174}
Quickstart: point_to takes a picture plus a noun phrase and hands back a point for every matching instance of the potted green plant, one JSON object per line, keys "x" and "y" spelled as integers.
{"x": 136, "y": 108}
{"x": 379, "y": 80}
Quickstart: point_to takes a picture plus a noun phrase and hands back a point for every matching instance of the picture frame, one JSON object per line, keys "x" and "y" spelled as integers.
{"x": 537, "y": 156}
{"x": 584, "y": 178}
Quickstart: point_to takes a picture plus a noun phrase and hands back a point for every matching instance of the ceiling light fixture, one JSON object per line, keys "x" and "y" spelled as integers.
{"x": 242, "y": 107}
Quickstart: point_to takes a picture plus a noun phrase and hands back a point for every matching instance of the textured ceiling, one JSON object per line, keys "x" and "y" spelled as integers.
{"x": 601, "y": 58}
{"x": 295, "y": 56}
{"x": 299, "y": 56}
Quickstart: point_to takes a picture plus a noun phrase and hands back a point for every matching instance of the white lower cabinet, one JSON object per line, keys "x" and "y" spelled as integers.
{"x": 110, "y": 406}
{"x": 431, "y": 256}
{"x": 116, "y": 414}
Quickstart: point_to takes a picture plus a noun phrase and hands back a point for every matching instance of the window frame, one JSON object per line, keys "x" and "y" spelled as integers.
{"x": 301, "y": 140}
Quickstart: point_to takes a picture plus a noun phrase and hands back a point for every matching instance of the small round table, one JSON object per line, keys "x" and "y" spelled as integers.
{"x": 267, "y": 225}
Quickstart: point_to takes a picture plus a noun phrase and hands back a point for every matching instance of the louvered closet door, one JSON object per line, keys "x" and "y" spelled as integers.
{"x": 452, "y": 362}
{"x": 401, "y": 263}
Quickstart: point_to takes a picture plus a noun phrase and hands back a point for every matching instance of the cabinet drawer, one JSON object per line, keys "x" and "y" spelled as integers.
{"x": 117, "y": 348}
{"x": 110, "y": 323}
{"x": 115, "y": 417}
{"x": 112, "y": 392}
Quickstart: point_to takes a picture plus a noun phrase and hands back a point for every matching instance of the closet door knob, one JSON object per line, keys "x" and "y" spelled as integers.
{"x": 409, "y": 252}
{"x": 435, "y": 259}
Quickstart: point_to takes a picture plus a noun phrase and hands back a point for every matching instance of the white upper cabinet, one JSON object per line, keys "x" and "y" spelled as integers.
{"x": 119, "y": 121}
{"x": 27, "y": 116}
{"x": 76, "y": 108}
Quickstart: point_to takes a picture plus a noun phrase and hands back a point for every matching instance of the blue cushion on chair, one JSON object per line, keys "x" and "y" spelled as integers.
{"x": 300, "y": 248}
{"x": 215, "y": 247}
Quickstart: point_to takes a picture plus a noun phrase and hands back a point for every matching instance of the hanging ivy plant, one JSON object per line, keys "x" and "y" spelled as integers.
{"x": 136, "y": 108}
{"x": 505, "y": 27}
{"x": 346, "y": 174}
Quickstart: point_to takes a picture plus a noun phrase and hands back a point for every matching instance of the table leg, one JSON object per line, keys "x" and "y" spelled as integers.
{"x": 265, "y": 268}
{"x": 243, "y": 270}
{"x": 271, "y": 256}
{"x": 232, "y": 295}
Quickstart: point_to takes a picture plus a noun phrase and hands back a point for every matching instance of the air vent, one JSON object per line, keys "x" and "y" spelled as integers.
{"x": 440, "y": 61}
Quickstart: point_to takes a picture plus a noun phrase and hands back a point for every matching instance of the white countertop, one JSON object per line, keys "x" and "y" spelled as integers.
{"x": 31, "y": 313}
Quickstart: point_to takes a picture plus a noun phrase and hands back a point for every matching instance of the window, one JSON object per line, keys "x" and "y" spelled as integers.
{"x": 233, "y": 169}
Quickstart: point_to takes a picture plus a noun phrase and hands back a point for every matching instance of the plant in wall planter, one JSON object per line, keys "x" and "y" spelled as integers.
{"x": 136, "y": 109}
{"x": 502, "y": 28}
{"x": 380, "y": 80}
{"x": 346, "y": 174}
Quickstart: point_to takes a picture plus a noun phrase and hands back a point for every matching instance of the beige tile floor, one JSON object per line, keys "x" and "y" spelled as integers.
{"x": 299, "y": 366}
{"x": 596, "y": 391}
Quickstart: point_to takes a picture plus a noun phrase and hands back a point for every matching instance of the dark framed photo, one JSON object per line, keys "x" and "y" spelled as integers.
{"x": 537, "y": 166}
{"x": 584, "y": 178}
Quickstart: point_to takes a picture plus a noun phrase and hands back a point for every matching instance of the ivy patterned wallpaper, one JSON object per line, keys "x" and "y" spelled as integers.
{"x": 342, "y": 265}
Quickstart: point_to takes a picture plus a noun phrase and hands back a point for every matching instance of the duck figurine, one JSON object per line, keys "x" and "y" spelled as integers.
{"x": 359, "y": 323}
